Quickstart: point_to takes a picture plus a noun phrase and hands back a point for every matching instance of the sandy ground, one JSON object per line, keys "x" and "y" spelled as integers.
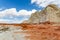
{"x": 13, "y": 34}
{"x": 33, "y": 32}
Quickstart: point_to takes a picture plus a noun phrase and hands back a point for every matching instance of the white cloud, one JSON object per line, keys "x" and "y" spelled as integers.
{"x": 25, "y": 12}
{"x": 6, "y": 12}
{"x": 18, "y": 21}
{"x": 12, "y": 13}
{"x": 11, "y": 21}
{"x": 44, "y": 3}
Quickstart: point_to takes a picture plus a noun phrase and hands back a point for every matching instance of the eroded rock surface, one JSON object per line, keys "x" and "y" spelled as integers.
{"x": 51, "y": 13}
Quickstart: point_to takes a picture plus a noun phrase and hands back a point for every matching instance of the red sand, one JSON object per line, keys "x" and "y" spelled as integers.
{"x": 42, "y": 31}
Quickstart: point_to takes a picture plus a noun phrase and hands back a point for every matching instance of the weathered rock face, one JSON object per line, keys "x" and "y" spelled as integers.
{"x": 51, "y": 13}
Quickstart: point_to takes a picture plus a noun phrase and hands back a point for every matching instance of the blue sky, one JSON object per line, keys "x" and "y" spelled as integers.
{"x": 18, "y": 4}
{"x": 16, "y": 11}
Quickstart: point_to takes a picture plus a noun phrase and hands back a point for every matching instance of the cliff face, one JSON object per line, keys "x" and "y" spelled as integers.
{"x": 51, "y": 13}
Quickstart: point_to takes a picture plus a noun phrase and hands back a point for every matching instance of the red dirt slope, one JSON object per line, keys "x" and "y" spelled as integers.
{"x": 42, "y": 31}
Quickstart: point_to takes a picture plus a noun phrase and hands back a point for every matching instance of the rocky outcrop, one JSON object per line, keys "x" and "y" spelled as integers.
{"x": 51, "y": 13}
